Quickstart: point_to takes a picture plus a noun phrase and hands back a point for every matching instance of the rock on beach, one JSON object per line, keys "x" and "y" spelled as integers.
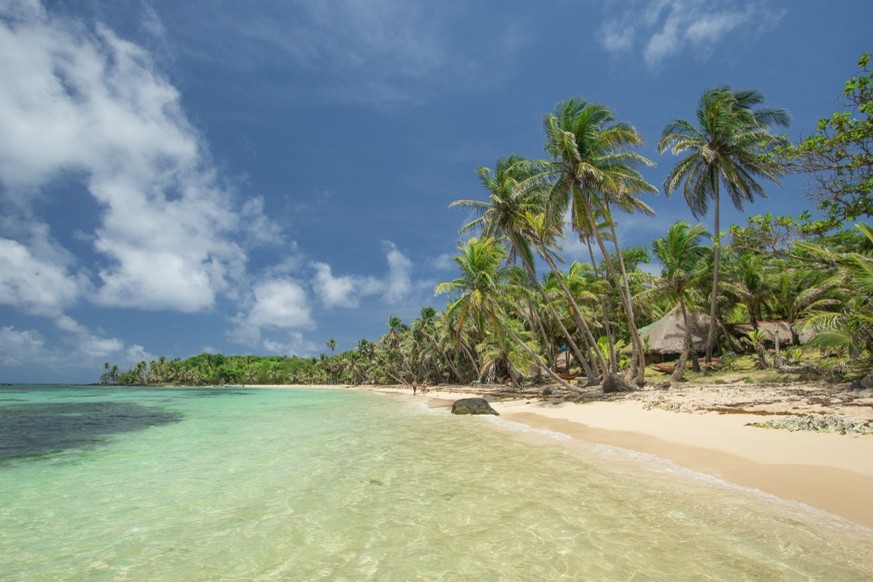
{"x": 472, "y": 406}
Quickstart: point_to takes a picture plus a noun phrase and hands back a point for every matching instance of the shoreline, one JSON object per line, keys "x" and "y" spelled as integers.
{"x": 689, "y": 427}
{"x": 828, "y": 471}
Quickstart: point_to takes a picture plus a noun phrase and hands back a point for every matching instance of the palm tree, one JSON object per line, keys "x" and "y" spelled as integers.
{"x": 728, "y": 148}
{"x": 749, "y": 281}
{"x": 592, "y": 167}
{"x": 481, "y": 287}
{"x": 331, "y": 344}
{"x": 851, "y": 328}
{"x": 680, "y": 253}
{"x": 508, "y": 214}
{"x": 800, "y": 291}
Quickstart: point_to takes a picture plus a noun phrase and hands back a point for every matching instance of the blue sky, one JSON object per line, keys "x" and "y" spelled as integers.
{"x": 259, "y": 177}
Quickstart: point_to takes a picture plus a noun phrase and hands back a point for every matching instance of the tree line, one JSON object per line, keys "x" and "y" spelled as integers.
{"x": 516, "y": 304}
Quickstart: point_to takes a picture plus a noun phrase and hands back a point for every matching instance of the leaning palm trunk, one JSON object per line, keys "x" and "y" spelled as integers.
{"x": 607, "y": 326}
{"x": 641, "y": 363}
{"x": 537, "y": 359}
{"x": 637, "y": 362}
{"x": 713, "y": 305}
{"x": 686, "y": 344}
{"x": 578, "y": 319}
{"x": 589, "y": 373}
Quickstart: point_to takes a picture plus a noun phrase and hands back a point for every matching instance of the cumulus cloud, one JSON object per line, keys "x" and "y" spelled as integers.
{"x": 281, "y": 304}
{"x": 349, "y": 290}
{"x": 295, "y": 345}
{"x": 33, "y": 282}
{"x": 82, "y": 104}
{"x": 398, "y": 283}
{"x": 80, "y": 349}
{"x": 342, "y": 291}
{"x": 18, "y": 348}
{"x": 275, "y": 305}
{"x": 664, "y": 29}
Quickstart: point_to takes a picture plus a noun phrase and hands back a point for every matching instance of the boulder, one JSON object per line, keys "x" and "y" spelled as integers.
{"x": 472, "y": 406}
{"x": 616, "y": 383}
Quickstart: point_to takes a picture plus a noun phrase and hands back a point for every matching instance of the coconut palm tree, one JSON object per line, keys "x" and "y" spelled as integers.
{"x": 481, "y": 288}
{"x": 681, "y": 252}
{"x": 798, "y": 292}
{"x": 851, "y": 328}
{"x": 592, "y": 166}
{"x": 515, "y": 198}
{"x": 728, "y": 148}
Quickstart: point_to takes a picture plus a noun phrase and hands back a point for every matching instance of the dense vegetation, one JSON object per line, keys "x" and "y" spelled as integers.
{"x": 516, "y": 304}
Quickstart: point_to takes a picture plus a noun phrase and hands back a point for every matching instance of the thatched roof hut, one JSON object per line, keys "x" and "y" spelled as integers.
{"x": 667, "y": 335}
{"x": 770, "y": 329}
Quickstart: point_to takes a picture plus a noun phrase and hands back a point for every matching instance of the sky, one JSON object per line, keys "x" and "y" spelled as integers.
{"x": 258, "y": 177}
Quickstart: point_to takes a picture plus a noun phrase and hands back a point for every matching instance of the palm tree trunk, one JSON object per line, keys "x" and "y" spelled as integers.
{"x": 641, "y": 363}
{"x": 577, "y": 318}
{"x": 610, "y": 338}
{"x": 607, "y": 325}
{"x": 716, "y": 243}
{"x": 589, "y": 374}
{"x": 686, "y": 344}
{"x": 637, "y": 343}
{"x": 538, "y": 360}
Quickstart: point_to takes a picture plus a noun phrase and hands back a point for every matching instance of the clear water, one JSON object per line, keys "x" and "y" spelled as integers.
{"x": 106, "y": 484}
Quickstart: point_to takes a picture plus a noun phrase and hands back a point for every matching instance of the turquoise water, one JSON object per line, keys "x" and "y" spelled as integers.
{"x": 307, "y": 484}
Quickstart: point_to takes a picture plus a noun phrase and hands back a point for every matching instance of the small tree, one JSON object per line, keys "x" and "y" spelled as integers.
{"x": 839, "y": 156}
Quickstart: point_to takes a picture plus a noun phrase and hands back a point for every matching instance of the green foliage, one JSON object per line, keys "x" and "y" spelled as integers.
{"x": 839, "y": 156}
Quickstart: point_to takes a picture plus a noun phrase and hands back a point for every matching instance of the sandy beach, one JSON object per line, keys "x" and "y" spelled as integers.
{"x": 707, "y": 429}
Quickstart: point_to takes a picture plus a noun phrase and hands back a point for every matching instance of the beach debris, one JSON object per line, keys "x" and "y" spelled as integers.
{"x": 616, "y": 383}
{"x": 472, "y": 406}
{"x": 665, "y": 385}
{"x": 820, "y": 423}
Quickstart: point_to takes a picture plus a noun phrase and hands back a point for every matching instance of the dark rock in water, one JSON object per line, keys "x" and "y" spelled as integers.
{"x": 616, "y": 383}
{"x": 472, "y": 406}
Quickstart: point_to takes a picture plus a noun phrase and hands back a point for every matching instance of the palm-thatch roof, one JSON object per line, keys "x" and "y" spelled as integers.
{"x": 667, "y": 335}
{"x": 770, "y": 329}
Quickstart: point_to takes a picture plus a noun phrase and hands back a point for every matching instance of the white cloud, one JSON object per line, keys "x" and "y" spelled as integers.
{"x": 444, "y": 262}
{"x": 20, "y": 348}
{"x": 85, "y": 104}
{"x": 398, "y": 283}
{"x": 35, "y": 279}
{"x": 348, "y": 290}
{"x": 343, "y": 291}
{"x": 79, "y": 349}
{"x": 281, "y": 304}
{"x": 296, "y": 345}
{"x": 275, "y": 304}
{"x": 666, "y": 28}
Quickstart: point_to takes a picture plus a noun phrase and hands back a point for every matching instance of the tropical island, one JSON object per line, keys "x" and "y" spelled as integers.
{"x": 788, "y": 297}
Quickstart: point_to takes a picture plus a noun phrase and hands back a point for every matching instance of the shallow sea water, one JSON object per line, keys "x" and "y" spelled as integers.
{"x": 223, "y": 484}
